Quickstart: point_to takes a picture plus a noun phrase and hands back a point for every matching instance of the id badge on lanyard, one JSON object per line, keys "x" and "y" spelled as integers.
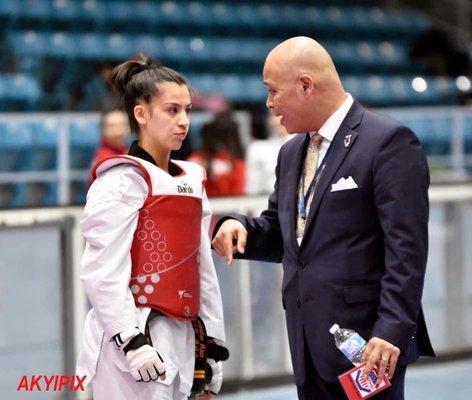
{"x": 303, "y": 199}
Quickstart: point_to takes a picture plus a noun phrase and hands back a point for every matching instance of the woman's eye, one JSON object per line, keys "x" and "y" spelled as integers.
{"x": 173, "y": 110}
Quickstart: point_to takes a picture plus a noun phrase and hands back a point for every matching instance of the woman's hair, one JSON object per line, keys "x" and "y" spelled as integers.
{"x": 137, "y": 79}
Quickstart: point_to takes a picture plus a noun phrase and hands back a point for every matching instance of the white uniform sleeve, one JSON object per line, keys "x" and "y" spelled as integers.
{"x": 211, "y": 307}
{"x": 108, "y": 225}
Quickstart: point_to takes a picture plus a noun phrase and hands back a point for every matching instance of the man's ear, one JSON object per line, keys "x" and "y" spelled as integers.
{"x": 139, "y": 114}
{"x": 307, "y": 84}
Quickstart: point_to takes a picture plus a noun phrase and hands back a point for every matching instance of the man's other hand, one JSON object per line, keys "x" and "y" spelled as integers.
{"x": 230, "y": 239}
{"x": 383, "y": 353}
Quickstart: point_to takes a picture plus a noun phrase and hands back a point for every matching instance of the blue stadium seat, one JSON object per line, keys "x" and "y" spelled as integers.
{"x": 445, "y": 88}
{"x": 337, "y": 18}
{"x": 204, "y": 83}
{"x": 200, "y": 49}
{"x": 19, "y": 91}
{"x": 400, "y": 89}
{"x": 78, "y": 191}
{"x": 13, "y": 194}
{"x": 119, "y": 12}
{"x": 50, "y": 195}
{"x": 148, "y": 44}
{"x": 224, "y": 16}
{"x": 393, "y": 54}
{"x": 434, "y": 133}
{"x": 226, "y": 50}
{"x": 255, "y": 89}
{"x": 9, "y": 9}
{"x": 61, "y": 45}
{"x": 148, "y": 15}
{"x": 200, "y": 14}
{"x": 84, "y": 139}
{"x": 38, "y": 10}
{"x": 352, "y": 85}
{"x": 269, "y": 15}
{"x": 175, "y": 49}
{"x": 65, "y": 10}
{"x": 16, "y": 145}
{"x": 376, "y": 56}
{"x": 172, "y": 12}
{"x": 441, "y": 131}
{"x": 232, "y": 86}
{"x": 468, "y": 135}
{"x": 93, "y": 12}
{"x": 27, "y": 43}
{"x": 28, "y": 48}
{"x": 374, "y": 89}
{"x": 45, "y": 139}
{"x": 118, "y": 47}
{"x": 41, "y": 194}
{"x": 91, "y": 46}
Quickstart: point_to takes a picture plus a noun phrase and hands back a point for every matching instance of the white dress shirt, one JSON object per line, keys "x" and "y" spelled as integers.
{"x": 328, "y": 130}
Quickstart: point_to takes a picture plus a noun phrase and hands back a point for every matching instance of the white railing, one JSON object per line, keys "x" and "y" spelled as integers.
{"x": 427, "y": 122}
{"x": 63, "y": 174}
{"x": 251, "y": 291}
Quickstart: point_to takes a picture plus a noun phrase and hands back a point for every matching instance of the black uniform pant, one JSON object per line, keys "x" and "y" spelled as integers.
{"x": 315, "y": 388}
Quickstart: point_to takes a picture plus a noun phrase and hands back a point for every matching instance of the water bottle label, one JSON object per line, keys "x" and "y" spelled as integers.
{"x": 352, "y": 346}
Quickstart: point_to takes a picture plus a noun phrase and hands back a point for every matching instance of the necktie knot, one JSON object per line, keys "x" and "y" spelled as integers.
{"x": 315, "y": 141}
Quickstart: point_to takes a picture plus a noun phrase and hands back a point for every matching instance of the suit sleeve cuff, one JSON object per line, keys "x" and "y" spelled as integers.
{"x": 396, "y": 335}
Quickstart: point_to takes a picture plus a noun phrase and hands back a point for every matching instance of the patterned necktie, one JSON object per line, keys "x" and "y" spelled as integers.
{"x": 309, "y": 171}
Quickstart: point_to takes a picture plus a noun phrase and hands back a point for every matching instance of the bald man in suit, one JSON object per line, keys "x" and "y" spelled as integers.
{"x": 348, "y": 219}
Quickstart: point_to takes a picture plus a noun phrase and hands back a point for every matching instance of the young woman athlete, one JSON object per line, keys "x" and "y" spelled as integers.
{"x": 147, "y": 267}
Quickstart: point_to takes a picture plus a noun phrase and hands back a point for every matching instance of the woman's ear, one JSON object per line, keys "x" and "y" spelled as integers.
{"x": 140, "y": 114}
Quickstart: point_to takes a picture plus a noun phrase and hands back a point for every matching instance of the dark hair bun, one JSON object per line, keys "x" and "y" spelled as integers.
{"x": 123, "y": 73}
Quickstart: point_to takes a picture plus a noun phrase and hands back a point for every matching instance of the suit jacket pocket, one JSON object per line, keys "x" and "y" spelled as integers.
{"x": 361, "y": 293}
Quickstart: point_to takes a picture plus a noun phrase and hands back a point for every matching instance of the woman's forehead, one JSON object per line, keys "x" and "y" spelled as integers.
{"x": 173, "y": 92}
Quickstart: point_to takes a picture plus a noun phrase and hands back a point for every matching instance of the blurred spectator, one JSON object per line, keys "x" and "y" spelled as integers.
{"x": 114, "y": 131}
{"x": 261, "y": 158}
{"x": 222, "y": 157}
{"x": 214, "y": 102}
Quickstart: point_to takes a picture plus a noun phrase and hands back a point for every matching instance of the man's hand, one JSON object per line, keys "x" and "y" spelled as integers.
{"x": 381, "y": 352}
{"x": 230, "y": 239}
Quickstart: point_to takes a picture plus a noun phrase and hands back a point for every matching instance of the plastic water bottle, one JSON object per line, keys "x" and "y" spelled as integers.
{"x": 350, "y": 343}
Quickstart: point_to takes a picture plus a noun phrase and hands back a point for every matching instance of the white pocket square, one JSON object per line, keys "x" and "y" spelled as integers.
{"x": 344, "y": 184}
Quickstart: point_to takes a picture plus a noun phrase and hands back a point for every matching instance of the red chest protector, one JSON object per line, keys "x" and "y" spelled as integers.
{"x": 165, "y": 252}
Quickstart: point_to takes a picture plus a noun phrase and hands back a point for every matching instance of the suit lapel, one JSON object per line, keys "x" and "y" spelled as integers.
{"x": 336, "y": 158}
{"x": 296, "y": 170}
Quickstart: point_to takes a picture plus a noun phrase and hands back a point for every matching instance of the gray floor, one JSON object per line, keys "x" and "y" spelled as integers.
{"x": 445, "y": 381}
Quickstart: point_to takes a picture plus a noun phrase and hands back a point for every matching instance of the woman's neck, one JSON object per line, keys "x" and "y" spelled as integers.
{"x": 161, "y": 156}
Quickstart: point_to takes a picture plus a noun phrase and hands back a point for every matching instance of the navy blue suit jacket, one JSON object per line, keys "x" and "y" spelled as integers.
{"x": 362, "y": 260}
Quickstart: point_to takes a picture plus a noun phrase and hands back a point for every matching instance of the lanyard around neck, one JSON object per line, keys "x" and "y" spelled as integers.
{"x": 303, "y": 199}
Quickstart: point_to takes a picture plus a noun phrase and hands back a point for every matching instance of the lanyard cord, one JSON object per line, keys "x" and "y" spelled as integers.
{"x": 303, "y": 201}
